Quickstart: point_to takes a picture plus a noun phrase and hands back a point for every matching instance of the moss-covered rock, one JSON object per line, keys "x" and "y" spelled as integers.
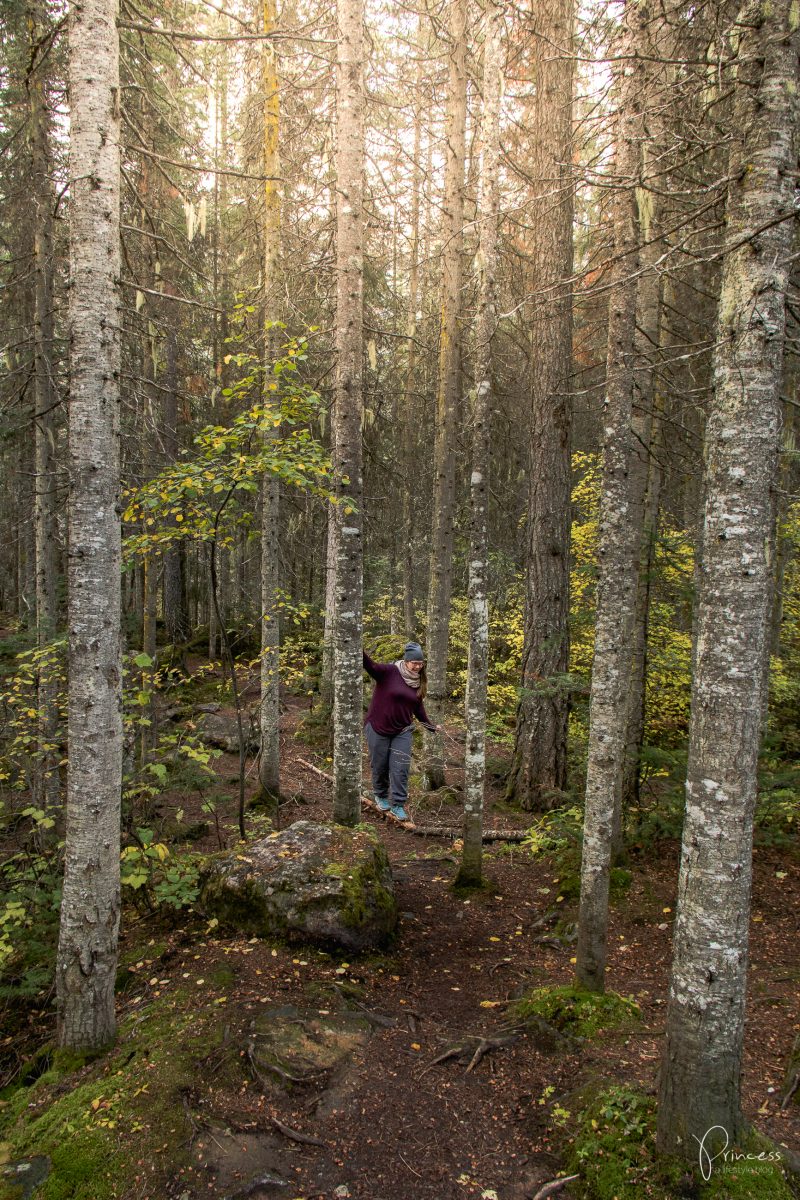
{"x": 321, "y": 883}
{"x": 221, "y": 730}
{"x": 292, "y": 1047}
{"x": 572, "y": 1010}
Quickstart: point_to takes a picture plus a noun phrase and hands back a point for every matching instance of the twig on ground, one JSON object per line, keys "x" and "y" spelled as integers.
{"x": 411, "y": 1169}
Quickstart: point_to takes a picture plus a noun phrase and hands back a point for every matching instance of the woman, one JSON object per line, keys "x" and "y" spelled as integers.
{"x": 397, "y": 699}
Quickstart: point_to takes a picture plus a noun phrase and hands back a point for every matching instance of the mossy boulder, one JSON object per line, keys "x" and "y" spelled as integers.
{"x": 319, "y": 883}
{"x": 221, "y": 730}
{"x": 572, "y": 1010}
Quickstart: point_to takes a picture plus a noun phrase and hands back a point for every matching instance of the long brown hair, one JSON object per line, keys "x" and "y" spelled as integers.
{"x": 423, "y": 682}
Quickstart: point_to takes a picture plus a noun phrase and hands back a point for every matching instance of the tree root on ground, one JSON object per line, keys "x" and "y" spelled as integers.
{"x": 792, "y": 1081}
{"x": 294, "y": 1135}
{"x": 554, "y": 1186}
{"x": 308, "y": 1077}
{"x": 475, "y": 1047}
{"x": 381, "y": 1020}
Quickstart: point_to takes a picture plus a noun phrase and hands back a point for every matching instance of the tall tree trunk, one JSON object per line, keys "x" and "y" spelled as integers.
{"x": 87, "y": 949}
{"x": 349, "y": 406}
{"x": 616, "y": 585}
{"x": 658, "y": 81}
{"x": 150, "y": 604}
{"x": 478, "y": 658}
{"x": 447, "y": 389}
{"x": 701, "y": 1069}
{"x": 46, "y": 779}
{"x": 269, "y": 713}
{"x": 538, "y": 774}
{"x": 176, "y": 614}
{"x": 407, "y": 517}
{"x": 326, "y": 672}
{"x": 646, "y": 478}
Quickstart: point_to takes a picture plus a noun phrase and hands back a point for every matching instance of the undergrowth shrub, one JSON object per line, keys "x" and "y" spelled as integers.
{"x": 613, "y": 1150}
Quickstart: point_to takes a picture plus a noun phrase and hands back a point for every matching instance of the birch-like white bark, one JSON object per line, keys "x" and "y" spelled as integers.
{"x": 480, "y": 419}
{"x": 269, "y": 713}
{"x": 348, "y": 687}
{"x": 702, "y": 1064}
{"x": 87, "y": 949}
{"x": 616, "y": 585}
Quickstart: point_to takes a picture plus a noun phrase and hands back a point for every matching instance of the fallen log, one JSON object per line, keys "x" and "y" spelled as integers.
{"x": 441, "y": 831}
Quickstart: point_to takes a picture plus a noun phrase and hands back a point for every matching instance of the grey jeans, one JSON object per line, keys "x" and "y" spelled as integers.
{"x": 390, "y": 760}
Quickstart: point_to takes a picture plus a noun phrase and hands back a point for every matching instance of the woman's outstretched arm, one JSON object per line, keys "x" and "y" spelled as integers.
{"x": 376, "y": 670}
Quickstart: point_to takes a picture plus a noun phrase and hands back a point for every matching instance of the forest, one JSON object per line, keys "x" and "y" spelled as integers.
{"x": 399, "y": 600}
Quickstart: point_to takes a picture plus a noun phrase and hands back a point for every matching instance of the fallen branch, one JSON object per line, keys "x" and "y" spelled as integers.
{"x": 554, "y": 1186}
{"x": 441, "y": 831}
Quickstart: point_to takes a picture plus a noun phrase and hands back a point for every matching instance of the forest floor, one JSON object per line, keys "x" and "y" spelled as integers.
{"x": 374, "y": 1115}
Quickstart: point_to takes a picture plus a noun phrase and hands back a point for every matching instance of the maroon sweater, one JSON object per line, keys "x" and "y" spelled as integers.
{"x": 394, "y": 704}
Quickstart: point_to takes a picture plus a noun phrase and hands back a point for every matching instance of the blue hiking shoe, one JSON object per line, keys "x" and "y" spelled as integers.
{"x": 382, "y": 804}
{"x": 399, "y": 814}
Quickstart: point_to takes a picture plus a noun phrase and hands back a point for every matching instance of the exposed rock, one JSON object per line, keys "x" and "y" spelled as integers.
{"x": 290, "y": 1046}
{"x": 320, "y": 883}
{"x": 23, "y": 1178}
{"x": 221, "y": 730}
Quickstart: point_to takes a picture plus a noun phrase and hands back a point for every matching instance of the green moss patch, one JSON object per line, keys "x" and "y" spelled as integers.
{"x": 613, "y": 1149}
{"x": 619, "y": 884}
{"x": 106, "y": 1123}
{"x": 750, "y": 1171}
{"x": 577, "y": 1012}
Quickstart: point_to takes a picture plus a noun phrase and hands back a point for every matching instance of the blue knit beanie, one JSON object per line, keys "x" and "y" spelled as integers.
{"x": 413, "y": 652}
